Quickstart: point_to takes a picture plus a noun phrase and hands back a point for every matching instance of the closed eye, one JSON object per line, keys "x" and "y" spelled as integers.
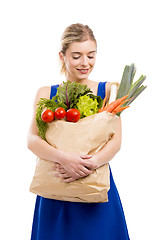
{"x": 76, "y": 57}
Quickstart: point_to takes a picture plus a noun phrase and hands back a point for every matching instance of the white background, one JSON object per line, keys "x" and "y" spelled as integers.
{"x": 127, "y": 32}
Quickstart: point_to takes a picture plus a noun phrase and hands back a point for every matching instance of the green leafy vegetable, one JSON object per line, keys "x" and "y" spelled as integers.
{"x": 68, "y": 96}
{"x": 43, "y": 103}
{"x": 69, "y": 93}
{"x": 87, "y": 106}
{"x": 98, "y": 98}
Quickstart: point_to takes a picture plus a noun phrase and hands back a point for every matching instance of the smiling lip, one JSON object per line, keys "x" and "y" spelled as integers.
{"x": 83, "y": 71}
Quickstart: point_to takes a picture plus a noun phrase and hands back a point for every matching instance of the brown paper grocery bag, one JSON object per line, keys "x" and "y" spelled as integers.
{"x": 87, "y": 136}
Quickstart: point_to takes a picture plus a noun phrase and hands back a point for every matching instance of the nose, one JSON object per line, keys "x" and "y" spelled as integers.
{"x": 84, "y": 61}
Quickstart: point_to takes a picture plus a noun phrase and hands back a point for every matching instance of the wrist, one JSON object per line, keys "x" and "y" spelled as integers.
{"x": 95, "y": 161}
{"x": 98, "y": 161}
{"x": 60, "y": 157}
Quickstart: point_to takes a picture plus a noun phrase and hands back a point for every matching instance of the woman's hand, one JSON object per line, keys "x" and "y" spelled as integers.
{"x": 74, "y": 166}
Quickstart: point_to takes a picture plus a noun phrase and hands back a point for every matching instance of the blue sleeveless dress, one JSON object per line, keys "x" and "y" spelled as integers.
{"x": 63, "y": 220}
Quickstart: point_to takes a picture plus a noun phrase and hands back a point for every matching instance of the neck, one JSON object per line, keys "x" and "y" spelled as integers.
{"x": 81, "y": 81}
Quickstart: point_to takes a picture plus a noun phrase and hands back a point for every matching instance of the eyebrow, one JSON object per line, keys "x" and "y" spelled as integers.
{"x": 88, "y": 53}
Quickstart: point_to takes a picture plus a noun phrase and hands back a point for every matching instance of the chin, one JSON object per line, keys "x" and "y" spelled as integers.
{"x": 83, "y": 76}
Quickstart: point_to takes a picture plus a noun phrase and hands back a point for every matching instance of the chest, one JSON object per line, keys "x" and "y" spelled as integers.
{"x": 94, "y": 88}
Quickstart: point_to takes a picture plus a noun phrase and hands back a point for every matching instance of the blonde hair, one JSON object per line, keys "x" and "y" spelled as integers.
{"x": 75, "y": 33}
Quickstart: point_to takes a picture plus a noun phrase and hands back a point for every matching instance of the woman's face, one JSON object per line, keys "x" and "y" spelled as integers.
{"x": 79, "y": 60}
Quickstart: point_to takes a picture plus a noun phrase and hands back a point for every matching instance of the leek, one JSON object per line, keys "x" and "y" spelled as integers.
{"x": 136, "y": 93}
{"x": 127, "y": 86}
{"x": 113, "y": 92}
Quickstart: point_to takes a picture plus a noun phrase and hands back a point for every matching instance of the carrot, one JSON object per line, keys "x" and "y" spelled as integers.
{"x": 101, "y": 110}
{"x": 104, "y": 101}
{"x": 122, "y": 103}
{"x": 119, "y": 109}
{"x": 104, "y": 104}
{"x": 113, "y": 104}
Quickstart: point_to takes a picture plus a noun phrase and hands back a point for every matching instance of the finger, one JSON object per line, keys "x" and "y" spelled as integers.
{"x": 63, "y": 176}
{"x": 56, "y": 175}
{"x": 86, "y": 171}
{"x": 82, "y": 173}
{"x": 66, "y": 177}
{"x": 70, "y": 179}
{"x": 90, "y": 165}
{"x": 55, "y": 168}
{"x": 60, "y": 175}
{"x": 62, "y": 170}
{"x": 86, "y": 156}
{"x": 58, "y": 165}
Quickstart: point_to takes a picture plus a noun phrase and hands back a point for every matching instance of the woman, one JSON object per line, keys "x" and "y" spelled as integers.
{"x": 63, "y": 220}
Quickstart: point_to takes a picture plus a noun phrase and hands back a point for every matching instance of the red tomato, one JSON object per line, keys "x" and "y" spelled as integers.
{"x": 60, "y": 113}
{"x": 47, "y": 115}
{"x": 73, "y": 115}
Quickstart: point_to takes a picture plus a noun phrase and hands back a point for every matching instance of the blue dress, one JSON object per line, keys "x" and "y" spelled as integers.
{"x": 63, "y": 220}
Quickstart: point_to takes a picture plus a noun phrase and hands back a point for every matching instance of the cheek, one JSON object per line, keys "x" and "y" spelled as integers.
{"x": 92, "y": 63}
{"x": 71, "y": 64}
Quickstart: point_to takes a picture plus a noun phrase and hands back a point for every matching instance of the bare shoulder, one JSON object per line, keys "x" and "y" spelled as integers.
{"x": 44, "y": 92}
{"x": 93, "y": 86}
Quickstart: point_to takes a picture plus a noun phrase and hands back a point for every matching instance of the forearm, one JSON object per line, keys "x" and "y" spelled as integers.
{"x": 111, "y": 147}
{"x": 43, "y": 150}
{"x": 107, "y": 152}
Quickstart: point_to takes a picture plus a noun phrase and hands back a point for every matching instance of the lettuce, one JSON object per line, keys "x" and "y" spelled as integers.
{"x": 87, "y": 106}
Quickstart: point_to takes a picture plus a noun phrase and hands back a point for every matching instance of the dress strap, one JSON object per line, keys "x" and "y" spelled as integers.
{"x": 53, "y": 90}
{"x": 101, "y": 89}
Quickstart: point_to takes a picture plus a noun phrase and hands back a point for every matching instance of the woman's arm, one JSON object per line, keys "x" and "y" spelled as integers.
{"x": 102, "y": 157}
{"x": 74, "y": 164}
{"x": 35, "y": 143}
{"x": 111, "y": 147}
